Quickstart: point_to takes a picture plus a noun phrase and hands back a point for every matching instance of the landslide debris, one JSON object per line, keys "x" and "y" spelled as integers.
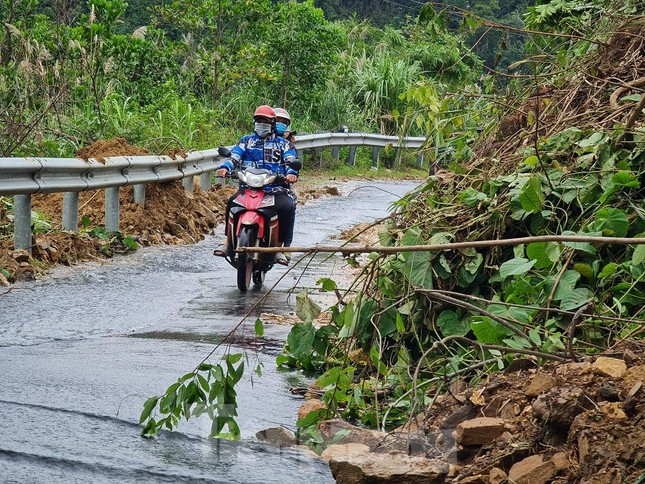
{"x": 572, "y": 422}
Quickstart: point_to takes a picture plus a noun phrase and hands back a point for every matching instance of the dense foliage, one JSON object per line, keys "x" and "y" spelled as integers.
{"x": 416, "y": 321}
{"x": 72, "y": 72}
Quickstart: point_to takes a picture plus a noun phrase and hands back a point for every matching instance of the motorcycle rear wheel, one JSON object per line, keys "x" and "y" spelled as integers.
{"x": 245, "y": 259}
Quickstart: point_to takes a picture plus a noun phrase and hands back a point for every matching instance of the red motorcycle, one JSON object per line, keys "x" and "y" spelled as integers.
{"x": 252, "y": 221}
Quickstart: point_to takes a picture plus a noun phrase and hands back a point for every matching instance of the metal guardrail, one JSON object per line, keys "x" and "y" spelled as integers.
{"x": 23, "y": 177}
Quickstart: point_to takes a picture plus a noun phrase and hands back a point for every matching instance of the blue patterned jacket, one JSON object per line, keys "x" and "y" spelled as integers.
{"x": 270, "y": 153}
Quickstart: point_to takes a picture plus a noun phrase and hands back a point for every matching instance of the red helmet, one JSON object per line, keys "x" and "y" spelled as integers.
{"x": 264, "y": 111}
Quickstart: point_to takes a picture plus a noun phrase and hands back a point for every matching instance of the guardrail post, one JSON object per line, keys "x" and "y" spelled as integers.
{"x": 420, "y": 160}
{"x": 301, "y": 155}
{"x": 335, "y": 153}
{"x": 139, "y": 194}
{"x": 70, "y": 211}
{"x": 188, "y": 184}
{"x": 22, "y": 222}
{"x": 112, "y": 209}
{"x": 205, "y": 181}
{"x": 352, "y": 156}
{"x": 221, "y": 181}
{"x": 376, "y": 151}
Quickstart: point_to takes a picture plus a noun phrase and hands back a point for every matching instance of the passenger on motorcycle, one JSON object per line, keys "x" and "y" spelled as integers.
{"x": 264, "y": 149}
{"x": 282, "y": 122}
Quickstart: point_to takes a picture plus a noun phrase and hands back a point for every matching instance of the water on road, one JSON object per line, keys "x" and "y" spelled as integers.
{"x": 82, "y": 349}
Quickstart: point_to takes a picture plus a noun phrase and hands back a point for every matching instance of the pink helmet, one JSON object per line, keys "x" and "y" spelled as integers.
{"x": 282, "y": 113}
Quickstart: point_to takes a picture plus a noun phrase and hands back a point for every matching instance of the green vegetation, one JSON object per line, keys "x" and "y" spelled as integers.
{"x": 548, "y": 142}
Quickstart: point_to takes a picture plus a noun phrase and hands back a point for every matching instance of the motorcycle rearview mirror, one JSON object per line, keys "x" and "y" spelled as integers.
{"x": 295, "y": 165}
{"x": 224, "y": 151}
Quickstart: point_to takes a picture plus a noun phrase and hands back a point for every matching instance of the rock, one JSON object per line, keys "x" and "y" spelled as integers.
{"x": 578, "y": 368}
{"x": 559, "y": 406}
{"x": 310, "y": 406}
{"x": 387, "y": 468}
{"x": 497, "y": 476}
{"x": 332, "y": 191}
{"x": 613, "y": 411}
{"x": 541, "y": 382}
{"x": 278, "y": 436}
{"x": 463, "y": 413}
{"x": 175, "y": 229}
{"x": 479, "y": 479}
{"x": 611, "y": 367}
{"x": 341, "y": 432}
{"x": 343, "y": 450}
{"x": 479, "y": 431}
{"x": 560, "y": 461}
{"x": 608, "y": 392}
{"x": 532, "y": 470}
{"x": 633, "y": 376}
{"x": 20, "y": 255}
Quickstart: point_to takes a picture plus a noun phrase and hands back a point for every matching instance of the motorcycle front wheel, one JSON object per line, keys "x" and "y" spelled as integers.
{"x": 245, "y": 260}
{"x": 258, "y": 278}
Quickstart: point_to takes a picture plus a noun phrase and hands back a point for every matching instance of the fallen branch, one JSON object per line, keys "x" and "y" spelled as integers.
{"x": 362, "y": 249}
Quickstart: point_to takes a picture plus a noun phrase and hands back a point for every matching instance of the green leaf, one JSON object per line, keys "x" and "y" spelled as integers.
{"x": 148, "y": 406}
{"x": 130, "y": 243}
{"x": 516, "y": 267}
{"x": 418, "y": 270}
{"x": 544, "y": 253}
{"x": 327, "y": 284}
{"x": 233, "y": 358}
{"x": 534, "y": 334}
{"x": 472, "y": 197}
{"x": 635, "y": 98}
{"x": 300, "y": 340}
{"x": 450, "y": 324}
{"x": 488, "y": 331}
{"x": 593, "y": 140}
{"x": 531, "y": 196}
{"x": 259, "y": 327}
{"x": 567, "y": 284}
{"x": 608, "y": 270}
{"x": 306, "y": 309}
{"x": 400, "y": 325}
{"x": 585, "y": 270}
{"x": 639, "y": 255}
{"x": 576, "y": 298}
{"x": 612, "y": 222}
{"x": 532, "y": 161}
{"x": 582, "y": 246}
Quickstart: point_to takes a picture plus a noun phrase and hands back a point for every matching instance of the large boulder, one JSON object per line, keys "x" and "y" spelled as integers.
{"x": 395, "y": 468}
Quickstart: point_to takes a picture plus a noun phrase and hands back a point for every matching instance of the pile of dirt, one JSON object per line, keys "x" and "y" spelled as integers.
{"x": 593, "y": 96}
{"x": 170, "y": 216}
{"x": 104, "y": 148}
{"x": 561, "y": 423}
{"x": 567, "y": 422}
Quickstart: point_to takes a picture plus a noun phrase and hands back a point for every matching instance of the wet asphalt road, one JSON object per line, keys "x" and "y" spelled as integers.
{"x": 82, "y": 349}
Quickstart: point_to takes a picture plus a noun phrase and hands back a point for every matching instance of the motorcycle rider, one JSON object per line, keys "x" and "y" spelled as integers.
{"x": 264, "y": 149}
{"x": 282, "y": 122}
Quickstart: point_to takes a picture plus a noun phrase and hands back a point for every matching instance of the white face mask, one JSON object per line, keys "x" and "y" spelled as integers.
{"x": 263, "y": 129}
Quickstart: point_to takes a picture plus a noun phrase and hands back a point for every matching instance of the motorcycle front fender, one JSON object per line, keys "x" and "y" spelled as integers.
{"x": 251, "y": 218}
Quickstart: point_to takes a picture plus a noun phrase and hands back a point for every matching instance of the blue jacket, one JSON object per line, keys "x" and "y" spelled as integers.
{"x": 269, "y": 153}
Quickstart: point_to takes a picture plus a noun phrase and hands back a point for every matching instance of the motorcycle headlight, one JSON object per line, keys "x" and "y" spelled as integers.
{"x": 258, "y": 180}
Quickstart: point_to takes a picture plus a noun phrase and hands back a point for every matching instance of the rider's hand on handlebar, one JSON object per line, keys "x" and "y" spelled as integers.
{"x": 221, "y": 172}
{"x": 291, "y": 178}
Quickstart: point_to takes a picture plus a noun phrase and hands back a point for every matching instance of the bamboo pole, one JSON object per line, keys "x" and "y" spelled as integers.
{"x": 358, "y": 249}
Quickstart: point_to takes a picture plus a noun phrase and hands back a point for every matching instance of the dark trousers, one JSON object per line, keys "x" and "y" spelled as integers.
{"x": 285, "y": 204}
